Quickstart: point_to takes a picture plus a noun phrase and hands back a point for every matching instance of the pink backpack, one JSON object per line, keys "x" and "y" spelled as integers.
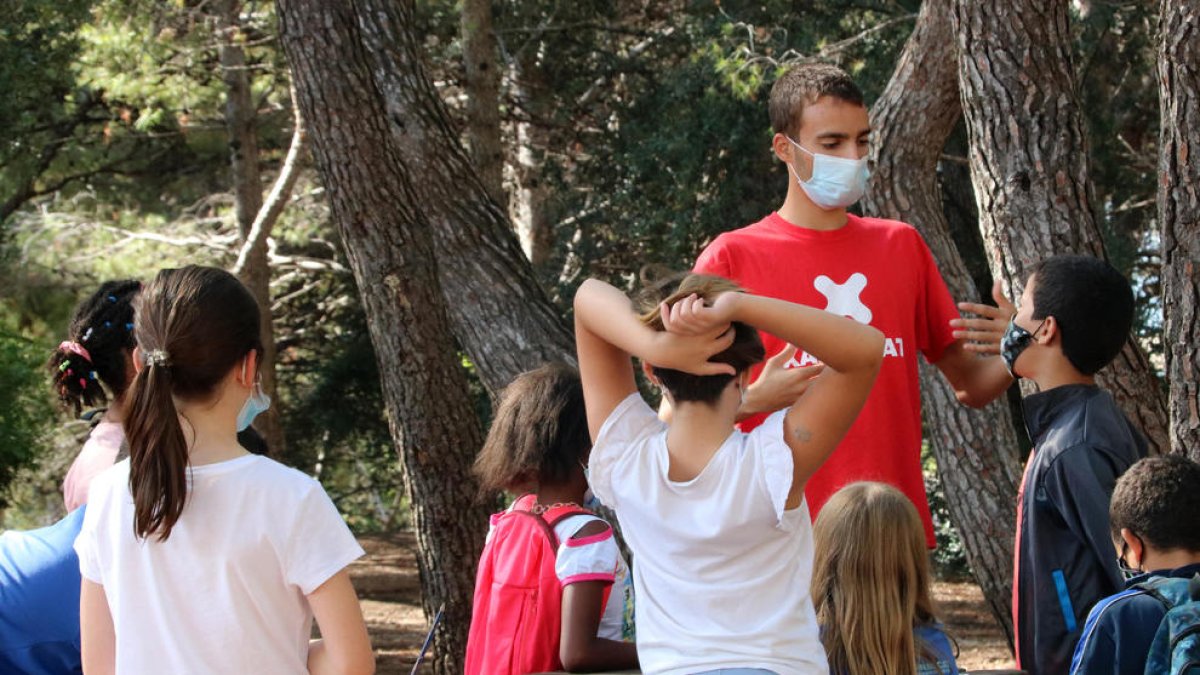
{"x": 517, "y": 616}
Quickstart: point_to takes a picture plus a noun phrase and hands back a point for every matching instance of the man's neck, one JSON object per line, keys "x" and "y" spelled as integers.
{"x": 800, "y": 211}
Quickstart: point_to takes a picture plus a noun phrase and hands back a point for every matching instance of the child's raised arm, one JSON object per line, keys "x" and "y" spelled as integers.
{"x": 852, "y": 353}
{"x": 607, "y": 332}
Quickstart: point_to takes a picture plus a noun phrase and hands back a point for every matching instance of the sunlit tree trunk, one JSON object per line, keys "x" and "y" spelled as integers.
{"x": 501, "y": 315}
{"x": 1029, "y": 164}
{"x": 388, "y": 242}
{"x": 976, "y": 450}
{"x": 241, "y": 119}
{"x": 1179, "y": 214}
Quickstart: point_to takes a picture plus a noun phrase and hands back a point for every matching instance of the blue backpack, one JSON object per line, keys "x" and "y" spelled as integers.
{"x": 1176, "y": 646}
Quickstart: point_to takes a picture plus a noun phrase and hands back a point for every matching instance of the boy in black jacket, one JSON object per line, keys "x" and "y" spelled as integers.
{"x": 1074, "y": 318}
{"x": 1154, "y": 514}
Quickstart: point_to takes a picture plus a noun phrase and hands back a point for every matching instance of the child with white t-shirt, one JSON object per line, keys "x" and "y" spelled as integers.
{"x": 197, "y": 556}
{"x": 716, "y": 518}
{"x": 537, "y": 447}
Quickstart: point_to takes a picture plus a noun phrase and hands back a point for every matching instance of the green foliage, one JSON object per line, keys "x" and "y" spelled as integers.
{"x": 23, "y": 405}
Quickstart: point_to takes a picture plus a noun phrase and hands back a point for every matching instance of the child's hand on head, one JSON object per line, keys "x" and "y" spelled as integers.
{"x": 691, "y": 316}
{"x": 691, "y": 353}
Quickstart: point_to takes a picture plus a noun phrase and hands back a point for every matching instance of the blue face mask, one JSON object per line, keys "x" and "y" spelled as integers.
{"x": 836, "y": 182}
{"x": 254, "y": 406}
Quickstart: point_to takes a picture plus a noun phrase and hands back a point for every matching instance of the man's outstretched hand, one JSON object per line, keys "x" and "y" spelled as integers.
{"x": 982, "y": 334}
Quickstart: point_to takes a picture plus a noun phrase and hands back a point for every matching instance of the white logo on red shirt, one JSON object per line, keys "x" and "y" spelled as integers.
{"x": 843, "y": 299}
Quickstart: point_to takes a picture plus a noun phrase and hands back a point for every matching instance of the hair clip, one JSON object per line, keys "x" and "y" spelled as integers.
{"x": 70, "y": 372}
{"x": 83, "y": 383}
{"x": 92, "y": 375}
{"x": 64, "y": 365}
{"x": 75, "y": 348}
{"x": 129, "y": 326}
{"x": 112, "y": 299}
{"x": 86, "y": 334}
{"x": 157, "y": 357}
{"x": 108, "y": 324}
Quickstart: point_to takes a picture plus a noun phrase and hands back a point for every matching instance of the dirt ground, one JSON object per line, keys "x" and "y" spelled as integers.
{"x": 386, "y": 580}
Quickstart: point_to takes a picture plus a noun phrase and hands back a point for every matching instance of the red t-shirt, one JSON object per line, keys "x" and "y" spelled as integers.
{"x": 878, "y": 272}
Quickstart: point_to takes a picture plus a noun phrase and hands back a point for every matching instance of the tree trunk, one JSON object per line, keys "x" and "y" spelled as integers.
{"x": 481, "y": 59}
{"x": 241, "y": 116}
{"x": 976, "y": 450}
{"x": 391, "y": 252}
{"x": 1029, "y": 163}
{"x": 1179, "y": 214}
{"x": 533, "y": 225}
{"x": 501, "y": 315}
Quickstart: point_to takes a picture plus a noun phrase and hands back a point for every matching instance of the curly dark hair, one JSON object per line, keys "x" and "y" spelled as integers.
{"x": 539, "y": 434}
{"x": 1158, "y": 499}
{"x": 103, "y": 328}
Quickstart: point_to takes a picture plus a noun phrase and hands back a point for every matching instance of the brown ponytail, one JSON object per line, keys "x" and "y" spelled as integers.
{"x": 193, "y": 326}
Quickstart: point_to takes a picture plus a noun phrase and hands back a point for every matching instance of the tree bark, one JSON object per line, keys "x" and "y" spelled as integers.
{"x": 1179, "y": 214}
{"x": 481, "y": 61}
{"x": 1029, "y": 164}
{"x": 391, "y": 252}
{"x": 501, "y": 315}
{"x": 533, "y": 225}
{"x": 976, "y": 450}
{"x": 241, "y": 117}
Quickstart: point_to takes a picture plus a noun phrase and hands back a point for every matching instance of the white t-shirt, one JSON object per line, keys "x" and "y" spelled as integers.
{"x": 721, "y": 570}
{"x": 226, "y": 592}
{"x": 597, "y": 558}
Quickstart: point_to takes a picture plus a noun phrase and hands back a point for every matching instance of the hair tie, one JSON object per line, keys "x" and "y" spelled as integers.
{"x": 112, "y": 299}
{"x": 157, "y": 357}
{"x": 129, "y": 326}
{"x": 75, "y": 348}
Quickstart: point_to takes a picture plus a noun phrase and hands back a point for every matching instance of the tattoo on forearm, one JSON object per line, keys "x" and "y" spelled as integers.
{"x": 804, "y": 435}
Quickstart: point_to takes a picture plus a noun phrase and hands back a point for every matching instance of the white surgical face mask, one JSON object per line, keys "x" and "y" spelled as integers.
{"x": 836, "y": 182}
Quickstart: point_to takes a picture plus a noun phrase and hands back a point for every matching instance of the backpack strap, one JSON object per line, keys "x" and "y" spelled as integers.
{"x": 1194, "y": 588}
{"x": 1170, "y": 591}
{"x": 547, "y": 529}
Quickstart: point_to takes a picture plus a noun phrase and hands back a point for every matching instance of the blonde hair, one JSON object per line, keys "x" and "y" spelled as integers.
{"x": 871, "y": 581}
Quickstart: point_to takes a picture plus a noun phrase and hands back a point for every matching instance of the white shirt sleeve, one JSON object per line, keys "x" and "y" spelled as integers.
{"x": 320, "y": 545}
{"x": 591, "y": 558}
{"x": 630, "y": 423}
{"x": 87, "y": 543}
{"x": 778, "y": 466}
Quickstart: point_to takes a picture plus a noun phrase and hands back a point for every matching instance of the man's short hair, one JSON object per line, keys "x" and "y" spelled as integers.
{"x": 804, "y": 85}
{"x": 1091, "y": 302}
{"x": 1158, "y": 499}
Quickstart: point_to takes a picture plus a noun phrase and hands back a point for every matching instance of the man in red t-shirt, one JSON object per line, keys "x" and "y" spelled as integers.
{"x": 879, "y": 272}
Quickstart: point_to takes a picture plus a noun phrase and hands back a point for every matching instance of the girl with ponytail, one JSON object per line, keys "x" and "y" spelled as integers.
{"x": 95, "y": 357}
{"x": 196, "y": 555}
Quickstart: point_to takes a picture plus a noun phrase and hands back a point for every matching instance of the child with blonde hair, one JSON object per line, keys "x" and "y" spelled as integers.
{"x": 870, "y": 586}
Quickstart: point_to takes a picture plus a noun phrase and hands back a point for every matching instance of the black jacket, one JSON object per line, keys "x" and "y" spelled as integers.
{"x": 1065, "y": 557}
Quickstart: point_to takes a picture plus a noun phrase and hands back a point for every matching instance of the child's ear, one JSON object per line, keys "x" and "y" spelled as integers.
{"x": 1049, "y": 332}
{"x": 648, "y": 371}
{"x": 1135, "y": 548}
{"x": 137, "y": 360}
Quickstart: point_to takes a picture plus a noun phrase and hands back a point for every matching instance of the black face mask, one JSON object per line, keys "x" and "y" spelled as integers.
{"x": 1126, "y": 570}
{"x": 1015, "y": 341}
